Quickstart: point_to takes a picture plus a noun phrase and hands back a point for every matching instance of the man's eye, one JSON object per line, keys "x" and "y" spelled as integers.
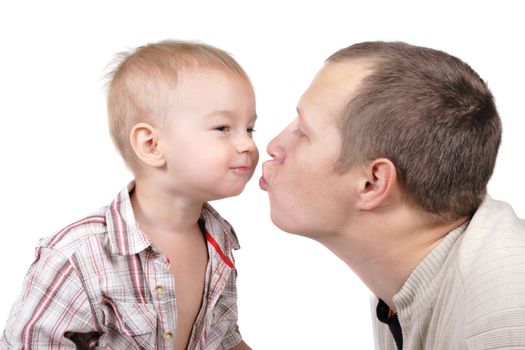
{"x": 298, "y": 132}
{"x": 223, "y": 128}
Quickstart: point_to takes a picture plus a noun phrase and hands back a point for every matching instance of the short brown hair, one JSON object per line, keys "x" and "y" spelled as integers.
{"x": 141, "y": 80}
{"x": 432, "y": 116}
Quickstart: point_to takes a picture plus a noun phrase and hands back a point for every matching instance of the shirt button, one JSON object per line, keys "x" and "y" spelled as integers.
{"x": 160, "y": 289}
{"x": 168, "y": 335}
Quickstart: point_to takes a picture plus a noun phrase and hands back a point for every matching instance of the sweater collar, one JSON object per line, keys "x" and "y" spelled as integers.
{"x": 422, "y": 285}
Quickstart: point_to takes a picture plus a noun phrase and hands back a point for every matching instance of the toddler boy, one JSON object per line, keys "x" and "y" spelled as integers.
{"x": 154, "y": 269}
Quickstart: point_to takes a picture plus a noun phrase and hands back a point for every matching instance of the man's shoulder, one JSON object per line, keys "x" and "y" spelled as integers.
{"x": 68, "y": 239}
{"x": 492, "y": 253}
{"x": 494, "y": 231}
{"x": 492, "y": 275}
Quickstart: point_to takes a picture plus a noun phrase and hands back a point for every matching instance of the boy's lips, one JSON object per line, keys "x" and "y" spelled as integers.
{"x": 243, "y": 169}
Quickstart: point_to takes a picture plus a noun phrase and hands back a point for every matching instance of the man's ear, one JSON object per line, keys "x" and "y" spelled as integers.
{"x": 144, "y": 141}
{"x": 378, "y": 184}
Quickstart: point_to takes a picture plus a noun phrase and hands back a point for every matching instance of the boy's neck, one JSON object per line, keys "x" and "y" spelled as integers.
{"x": 156, "y": 209}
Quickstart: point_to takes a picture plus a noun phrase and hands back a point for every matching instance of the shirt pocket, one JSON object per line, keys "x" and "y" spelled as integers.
{"x": 223, "y": 314}
{"x": 129, "y": 325}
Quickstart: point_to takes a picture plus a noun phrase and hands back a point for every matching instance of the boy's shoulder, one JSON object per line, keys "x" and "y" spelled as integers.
{"x": 68, "y": 239}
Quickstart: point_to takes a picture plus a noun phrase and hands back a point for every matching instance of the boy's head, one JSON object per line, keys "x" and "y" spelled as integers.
{"x": 187, "y": 109}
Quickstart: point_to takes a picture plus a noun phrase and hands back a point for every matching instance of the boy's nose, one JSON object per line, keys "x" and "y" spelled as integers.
{"x": 246, "y": 144}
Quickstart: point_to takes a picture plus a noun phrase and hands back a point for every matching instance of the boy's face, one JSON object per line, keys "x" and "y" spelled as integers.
{"x": 208, "y": 145}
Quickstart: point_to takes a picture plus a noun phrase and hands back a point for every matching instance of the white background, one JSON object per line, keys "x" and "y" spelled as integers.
{"x": 58, "y": 163}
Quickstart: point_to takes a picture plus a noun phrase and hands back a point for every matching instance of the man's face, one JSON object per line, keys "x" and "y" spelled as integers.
{"x": 307, "y": 195}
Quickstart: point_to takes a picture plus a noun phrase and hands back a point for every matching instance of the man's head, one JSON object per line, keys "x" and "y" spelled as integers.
{"x": 421, "y": 113}
{"x": 187, "y": 110}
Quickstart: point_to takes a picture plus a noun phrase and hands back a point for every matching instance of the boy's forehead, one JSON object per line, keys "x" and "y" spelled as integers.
{"x": 200, "y": 68}
{"x": 182, "y": 75}
{"x": 208, "y": 91}
{"x": 202, "y": 78}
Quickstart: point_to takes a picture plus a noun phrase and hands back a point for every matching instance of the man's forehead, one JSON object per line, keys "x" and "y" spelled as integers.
{"x": 343, "y": 77}
{"x": 334, "y": 85}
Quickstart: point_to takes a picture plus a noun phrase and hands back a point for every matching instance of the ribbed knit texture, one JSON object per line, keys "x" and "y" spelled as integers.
{"x": 469, "y": 292}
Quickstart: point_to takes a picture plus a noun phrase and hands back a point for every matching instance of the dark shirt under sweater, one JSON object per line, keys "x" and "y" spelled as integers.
{"x": 384, "y": 315}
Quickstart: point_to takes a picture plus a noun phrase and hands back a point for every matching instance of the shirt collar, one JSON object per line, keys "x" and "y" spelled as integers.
{"x": 126, "y": 238}
{"x": 421, "y": 286}
{"x": 219, "y": 234}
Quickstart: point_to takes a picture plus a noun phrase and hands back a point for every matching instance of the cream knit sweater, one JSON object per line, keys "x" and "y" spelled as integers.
{"x": 469, "y": 292}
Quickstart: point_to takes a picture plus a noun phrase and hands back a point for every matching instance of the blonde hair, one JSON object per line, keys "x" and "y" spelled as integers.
{"x": 141, "y": 80}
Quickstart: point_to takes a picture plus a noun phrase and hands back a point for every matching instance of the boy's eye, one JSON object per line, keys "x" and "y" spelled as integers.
{"x": 250, "y": 130}
{"x": 223, "y": 128}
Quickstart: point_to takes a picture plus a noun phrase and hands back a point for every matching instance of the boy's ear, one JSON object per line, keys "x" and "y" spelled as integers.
{"x": 378, "y": 184}
{"x": 144, "y": 141}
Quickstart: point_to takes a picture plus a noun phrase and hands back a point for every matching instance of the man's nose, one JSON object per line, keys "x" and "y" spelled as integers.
{"x": 276, "y": 148}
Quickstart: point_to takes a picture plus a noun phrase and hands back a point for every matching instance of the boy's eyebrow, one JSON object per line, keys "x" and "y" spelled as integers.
{"x": 228, "y": 114}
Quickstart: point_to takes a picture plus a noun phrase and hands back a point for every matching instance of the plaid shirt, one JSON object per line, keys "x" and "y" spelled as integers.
{"x": 99, "y": 283}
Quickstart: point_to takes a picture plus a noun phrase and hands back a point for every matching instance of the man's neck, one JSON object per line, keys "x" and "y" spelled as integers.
{"x": 391, "y": 250}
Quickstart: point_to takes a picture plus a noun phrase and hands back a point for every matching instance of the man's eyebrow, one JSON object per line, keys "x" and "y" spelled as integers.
{"x": 300, "y": 115}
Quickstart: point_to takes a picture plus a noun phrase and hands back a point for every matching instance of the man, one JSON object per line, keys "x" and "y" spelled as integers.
{"x": 387, "y": 165}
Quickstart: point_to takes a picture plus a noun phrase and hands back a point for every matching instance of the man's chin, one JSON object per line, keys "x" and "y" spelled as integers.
{"x": 285, "y": 224}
